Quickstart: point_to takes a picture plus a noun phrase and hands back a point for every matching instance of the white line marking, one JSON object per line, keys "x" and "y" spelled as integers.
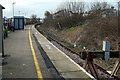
{"x": 48, "y": 47}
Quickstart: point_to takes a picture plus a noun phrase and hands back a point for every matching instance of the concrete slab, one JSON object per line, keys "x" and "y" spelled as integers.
{"x": 19, "y": 62}
{"x": 56, "y": 57}
{"x": 74, "y": 75}
{"x": 66, "y": 66}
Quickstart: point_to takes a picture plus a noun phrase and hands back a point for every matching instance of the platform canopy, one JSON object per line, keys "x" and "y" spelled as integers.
{"x": 2, "y": 6}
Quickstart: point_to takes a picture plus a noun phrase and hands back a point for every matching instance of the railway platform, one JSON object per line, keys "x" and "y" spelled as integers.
{"x": 30, "y": 55}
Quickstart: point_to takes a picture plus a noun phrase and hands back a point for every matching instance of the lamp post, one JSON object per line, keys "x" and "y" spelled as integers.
{"x": 19, "y": 12}
{"x": 13, "y": 16}
{"x": 13, "y": 8}
{"x": 25, "y": 14}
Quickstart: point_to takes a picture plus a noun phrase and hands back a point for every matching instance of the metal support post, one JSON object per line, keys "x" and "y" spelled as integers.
{"x": 91, "y": 66}
{"x": 116, "y": 67}
{"x": 1, "y": 31}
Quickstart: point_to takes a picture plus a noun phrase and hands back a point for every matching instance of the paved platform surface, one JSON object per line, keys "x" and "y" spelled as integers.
{"x": 65, "y": 66}
{"x": 19, "y": 62}
{"x": 53, "y": 63}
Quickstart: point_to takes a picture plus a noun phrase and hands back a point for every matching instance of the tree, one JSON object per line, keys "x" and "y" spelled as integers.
{"x": 48, "y": 15}
{"x": 33, "y": 18}
{"x": 99, "y": 6}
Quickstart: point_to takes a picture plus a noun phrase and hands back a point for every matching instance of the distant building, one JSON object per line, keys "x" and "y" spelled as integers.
{"x": 109, "y": 12}
{"x": 65, "y": 13}
{"x": 85, "y": 14}
{"x": 62, "y": 13}
{"x": 58, "y": 14}
{"x": 27, "y": 21}
{"x": 41, "y": 20}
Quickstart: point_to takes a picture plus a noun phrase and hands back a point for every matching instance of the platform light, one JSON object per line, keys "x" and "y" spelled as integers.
{"x": 13, "y": 8}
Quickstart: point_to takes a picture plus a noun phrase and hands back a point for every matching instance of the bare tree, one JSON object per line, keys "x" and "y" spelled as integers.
{"x": 33, "y": 18}
{"x": 99, "y": 6}
{"x": 48, "y": 15}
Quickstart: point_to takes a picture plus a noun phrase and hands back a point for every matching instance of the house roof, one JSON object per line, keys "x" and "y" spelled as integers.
{"x": 18, "y": 16}
{"x": 58, "y": 12}
{"x": 2, "y": 6}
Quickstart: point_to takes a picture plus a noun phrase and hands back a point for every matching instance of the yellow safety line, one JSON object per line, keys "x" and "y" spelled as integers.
{"x": 35, "y": 59}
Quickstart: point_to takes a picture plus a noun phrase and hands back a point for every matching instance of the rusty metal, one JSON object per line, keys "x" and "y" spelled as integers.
{"x": 101, "y": 68}
{"x": 100, "y": 54}
{"x": 86, "y": 65}
{"x": 89, "y": 64}
{"x": 88, "y": 56}
{"x": 105, "y": 71}
{"x": 116, "y": 67}
{"x": 93, "y": 70}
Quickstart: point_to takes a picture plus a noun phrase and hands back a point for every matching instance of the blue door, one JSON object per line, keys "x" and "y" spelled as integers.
{"x": 16, "y": 24}
{"x": 21, "y": 24}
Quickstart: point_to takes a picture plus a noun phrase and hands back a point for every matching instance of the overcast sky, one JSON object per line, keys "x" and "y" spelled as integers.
{"x": 37, "y": 7}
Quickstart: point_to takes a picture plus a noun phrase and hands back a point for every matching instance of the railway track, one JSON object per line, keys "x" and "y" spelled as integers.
{"x": 103, "y": 72}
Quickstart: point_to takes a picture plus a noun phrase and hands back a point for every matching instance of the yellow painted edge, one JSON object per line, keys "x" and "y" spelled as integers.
{"x": 35, "y": 59}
